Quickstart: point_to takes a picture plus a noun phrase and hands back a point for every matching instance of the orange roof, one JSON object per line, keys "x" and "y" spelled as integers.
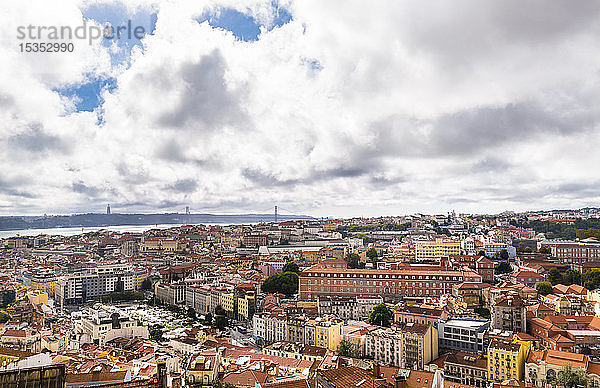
{"x": 593, "y": 368}
{"x": 557, "y": 357}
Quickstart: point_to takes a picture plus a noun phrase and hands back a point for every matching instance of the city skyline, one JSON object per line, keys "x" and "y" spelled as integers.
{"x": 231, "y": 109}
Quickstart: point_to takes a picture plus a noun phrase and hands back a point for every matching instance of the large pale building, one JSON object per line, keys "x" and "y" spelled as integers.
{"x": 409, "y": 346}
{"x": 388, "y": 284}
{"x": 83, "y": 287}
{"x": 436, "y": 249}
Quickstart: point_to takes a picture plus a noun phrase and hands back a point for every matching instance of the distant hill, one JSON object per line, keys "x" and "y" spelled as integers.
{"x": 116, "y": 219}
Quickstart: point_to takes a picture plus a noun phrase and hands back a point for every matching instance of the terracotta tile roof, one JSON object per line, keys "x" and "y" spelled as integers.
{"x": 247, "y": 378}
{"x": 557, "y": 357}
{"x": 420, "y": 379}
{"x": 526, "y": 274}
{"x": 72, "y": 378}
{"x": 594, "y": 368}
{"x": 440, "y": 360}
{"x": 558, "y": 338}
{"x": 300, "y": 383}
{"x": 15, "y": 353}
{"x": 469, "y": 359}
{"x": 349, "y": 376}
{"x": 15, "y": 333}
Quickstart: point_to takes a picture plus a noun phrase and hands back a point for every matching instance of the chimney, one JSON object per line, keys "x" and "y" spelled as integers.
{"x": 376, "y": 371}
{"x": 399, "y": 381}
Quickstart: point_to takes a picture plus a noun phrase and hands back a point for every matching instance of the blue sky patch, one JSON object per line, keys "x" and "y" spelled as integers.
{"x": 244, "y": 27}
{"x": 87, "y": 95}
{"x": 117, "y": 15}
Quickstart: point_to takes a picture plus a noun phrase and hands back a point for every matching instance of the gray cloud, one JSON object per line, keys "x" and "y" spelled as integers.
{"x": 184, "y": 186}
{"x": 490, "y": 164}
{"x": 268, "y": 179}
{"x": 95, "y": 192}
{"x": 173, "y": 151}
{"x": 132, "y": 175}
{"x": 263, "y": 178}
{"x": 6, "y": 100}
{"x": 473, "y": 130}
{"x": 467, "y": 31}
{"x": 35, "y": 139}
{"x": 11, "y": 187}
{"x": 207, "y": 103}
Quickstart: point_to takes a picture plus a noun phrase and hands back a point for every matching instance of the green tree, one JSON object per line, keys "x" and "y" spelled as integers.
{"x": 353, "y": 260}
{"x": 288, "y": 283}
{"x": 482, "y": 312}
{"x": 122, "y": 296}
{"x": 156, "y": 333}
{"x": 4, "y": 317}
{"x": 270, "y": 285}
{"x": 591, "y": 279}
{"x": 481, "y": 253}
{"x": 571, "y": 277}
{"x": 521, "y": 247}
{"x": 347, "y": 349}
{"x": 528, "y": 249}
{"x": 221, "y": 320}
{"x": 219, "y": 310}
{"x": 147, "y": 285}
{"x": 372, "y": 254}
{"x": 502, "y": 267}
{"x": 544, "y": 250}
{"x": 291, "y": 266}
{"x": 504, "y": 254}
{"x": 208, "y": 319}
{"x": 191, "y": 313}
{"x": 570, "y": 378}
{"x": 543, "y": 288}
{"x": 554, "y": 276}
{"x": 381, "y": 315}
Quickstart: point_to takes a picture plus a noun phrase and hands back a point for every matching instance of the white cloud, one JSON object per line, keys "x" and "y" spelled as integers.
{"x": 345, "y": 110}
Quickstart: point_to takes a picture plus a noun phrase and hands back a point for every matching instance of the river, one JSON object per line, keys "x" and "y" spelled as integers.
{"x": 74, "y": 231}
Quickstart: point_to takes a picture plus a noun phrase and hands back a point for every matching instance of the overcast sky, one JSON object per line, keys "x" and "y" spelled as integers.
{"x": 327, "y": 108}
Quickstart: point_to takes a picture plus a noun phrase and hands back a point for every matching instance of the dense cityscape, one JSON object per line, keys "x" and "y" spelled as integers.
{"x": 299, "y": 194}
{"x": 418, "y": 301}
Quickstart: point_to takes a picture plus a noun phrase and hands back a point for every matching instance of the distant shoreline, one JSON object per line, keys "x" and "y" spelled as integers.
{"x": 22, "y": 224}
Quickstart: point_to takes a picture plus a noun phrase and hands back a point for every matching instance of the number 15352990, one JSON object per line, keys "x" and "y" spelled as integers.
{"x": 46, "y": 47}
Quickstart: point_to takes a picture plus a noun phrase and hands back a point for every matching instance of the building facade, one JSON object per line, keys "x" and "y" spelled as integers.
{"x": 389, "y": 284}
{"x": 409, "y": 346}
{"x": 509, "y": 313}
{"x": 465, "y": 335}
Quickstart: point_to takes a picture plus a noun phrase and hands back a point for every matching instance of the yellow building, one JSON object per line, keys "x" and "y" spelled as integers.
{"x": 295, "y": 350}
{"x": 44, "y": 281}
{"x": 307, "y": 304}
{"x": 505, "y": 361}
{"x": 157, "y": 244}
{"x": 8, "y": 356}
{"x": 328, "y": 333}
{"x": 436, "y": 249}
{"x": 227, "y": 301}
{"x": 36, "y": 297}
{"x": 246, "y": 306}
{"x": 141, "y": 274}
